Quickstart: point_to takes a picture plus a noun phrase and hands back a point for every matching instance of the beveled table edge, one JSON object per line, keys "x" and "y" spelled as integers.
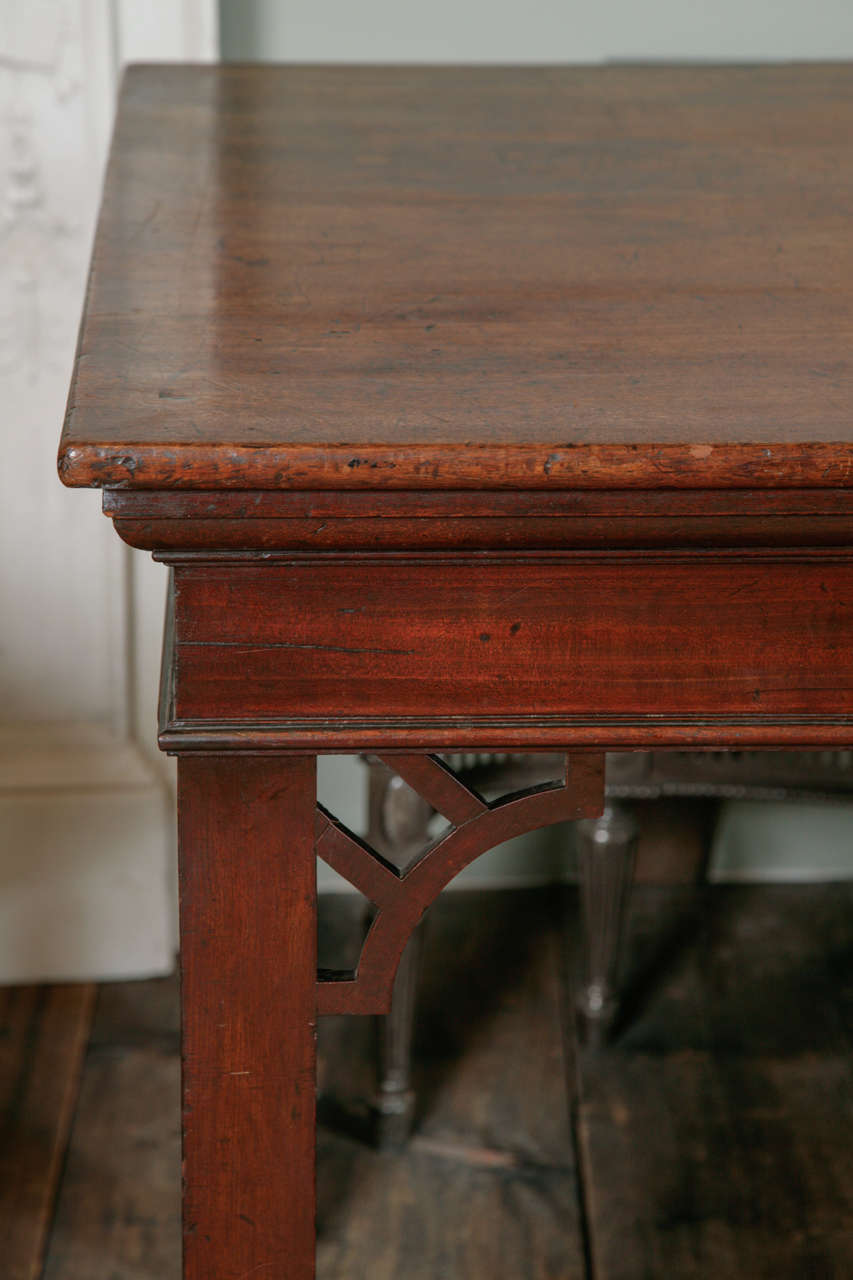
{"x": 646, "y": 465}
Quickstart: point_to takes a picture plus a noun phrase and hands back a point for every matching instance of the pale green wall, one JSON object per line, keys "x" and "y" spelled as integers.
{"x": 535, "y": 31}
{"x": 753, "y": 841}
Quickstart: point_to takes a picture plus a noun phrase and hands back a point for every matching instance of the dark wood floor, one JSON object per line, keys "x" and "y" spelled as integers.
{"x": 713, "y": 1137}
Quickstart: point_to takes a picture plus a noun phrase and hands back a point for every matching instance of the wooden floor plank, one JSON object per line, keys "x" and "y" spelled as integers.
{"x": 422, "y": 1216}
{"x": 717, "y": 1132}
{"x": 118, "y": 1212}
{"x": 751, "y": 969}
{"x": 43, "y": 1034}
{"x": 488, "y": 1186}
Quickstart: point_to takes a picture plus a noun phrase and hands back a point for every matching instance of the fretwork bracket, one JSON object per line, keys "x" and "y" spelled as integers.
{"x": 402, "y": 896}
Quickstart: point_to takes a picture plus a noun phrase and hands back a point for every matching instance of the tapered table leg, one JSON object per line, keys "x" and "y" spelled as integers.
{"x": 248, "y": 948}
{"x": 606, "y": 852}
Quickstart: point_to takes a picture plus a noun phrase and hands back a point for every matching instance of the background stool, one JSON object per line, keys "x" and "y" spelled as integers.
{"x": 398, "y": 822}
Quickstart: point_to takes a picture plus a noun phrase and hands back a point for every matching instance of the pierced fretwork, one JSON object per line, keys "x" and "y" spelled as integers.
{"x": 402, "y": 896}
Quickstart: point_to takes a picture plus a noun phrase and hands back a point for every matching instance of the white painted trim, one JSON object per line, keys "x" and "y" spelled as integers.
{"x": 86, "y": 813}
{"x": 166, "y": 31}
{"x": 86, "y": 851}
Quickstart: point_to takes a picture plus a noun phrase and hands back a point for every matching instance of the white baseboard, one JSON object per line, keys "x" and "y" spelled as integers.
{"x": 86, "y": 858}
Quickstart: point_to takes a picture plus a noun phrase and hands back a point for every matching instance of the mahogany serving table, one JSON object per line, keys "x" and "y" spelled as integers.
{"x": 473, "y": 409}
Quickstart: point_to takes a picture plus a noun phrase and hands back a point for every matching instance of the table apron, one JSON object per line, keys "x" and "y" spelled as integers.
{"x": 566, "y": 637}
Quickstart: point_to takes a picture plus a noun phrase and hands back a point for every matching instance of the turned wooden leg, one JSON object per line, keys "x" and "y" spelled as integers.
{"x": 249, "y": 971}
{"x": 397, "y": 825}
{"x": 606, "y": 849}
{"x": 394, "y": 1103}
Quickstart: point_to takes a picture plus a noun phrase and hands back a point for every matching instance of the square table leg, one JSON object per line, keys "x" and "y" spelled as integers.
{"x": 249, "y": 973}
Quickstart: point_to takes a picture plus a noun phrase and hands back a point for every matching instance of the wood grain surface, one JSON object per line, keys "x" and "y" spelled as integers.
{"x": 471, "y": 277}
{"x": 549, "y": 637}
{"x": 248, "y": 990}
{"x": 176, "y": 521}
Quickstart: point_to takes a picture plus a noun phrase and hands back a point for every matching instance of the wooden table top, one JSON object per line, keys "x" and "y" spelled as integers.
{"x": 471, "y": 278}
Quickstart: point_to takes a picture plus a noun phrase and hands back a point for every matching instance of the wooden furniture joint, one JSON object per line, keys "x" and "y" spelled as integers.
{"x": 473, "y": 409}
{"x": 402, "y": 898}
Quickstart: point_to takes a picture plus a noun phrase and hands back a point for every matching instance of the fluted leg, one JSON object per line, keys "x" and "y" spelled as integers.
{"x": 398, "y": 819}
{"x": 606, "y": 848}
